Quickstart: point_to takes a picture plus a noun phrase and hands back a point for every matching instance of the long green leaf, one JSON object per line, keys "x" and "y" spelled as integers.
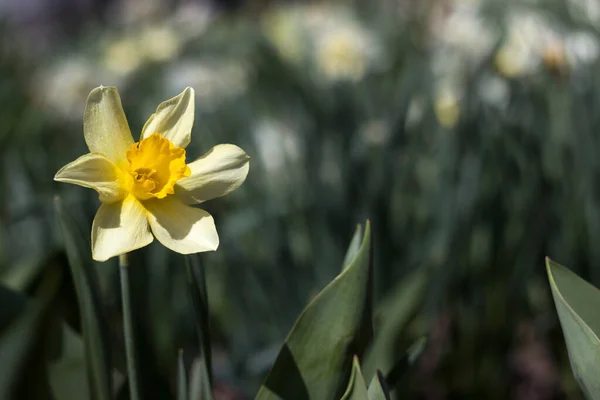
{"x": 396, "y": 311}
{"x": 354, "y": 246}
{"x": 377, "y": 388}
{"x": 200, "y": 387}
{"x": 182, "y": 390}
{"x": 357, "y": 389}
{"x": 68, "y": 375}
{"x": 93, "y": 322}
{"x": 577, "y": 303}
{"x": 12, "y": 303}
{"x": 315, "y": 360}
{"x": 23, "y": 344}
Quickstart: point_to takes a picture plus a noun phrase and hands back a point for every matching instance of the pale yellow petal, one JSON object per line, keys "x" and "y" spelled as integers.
{"x": 182, "y": 228}
{"x": 104, "y": 125}
{"x": 173, "y": 119}
{"x": 97, "y": 172}
{"x": 119, "y": 228}
{"x": 218, "y": 172}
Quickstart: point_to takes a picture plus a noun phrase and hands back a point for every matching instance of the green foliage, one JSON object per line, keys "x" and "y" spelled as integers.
{"x": 93, "y": 321}
{"x": 577, "y": 303}
{"x": 314, "y": 362}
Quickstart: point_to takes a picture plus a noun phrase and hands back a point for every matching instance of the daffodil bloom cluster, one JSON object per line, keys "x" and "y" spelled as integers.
{"x": 147, "y": 187}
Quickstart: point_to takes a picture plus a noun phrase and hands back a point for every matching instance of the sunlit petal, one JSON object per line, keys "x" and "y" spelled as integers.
{"x": 182, "y": 228}
{"x": 97, "y": 172}
{"x": 218, "y": 172}
{"x": 104, "y": 125}
{"x": 119, "y": 228}
{"x": 173, "y": 119}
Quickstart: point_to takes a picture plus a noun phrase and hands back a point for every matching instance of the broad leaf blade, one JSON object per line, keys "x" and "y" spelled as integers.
{"x": 23, "y": 351}
{"x": 93, "y": 322}
{"x": 401, "y": 367}
{"x": 377, "y": 388}
{"x": 13, "y": 303}
{"x": 577, "y": 303}
{"x": 315, "y": 359}
{"x": 354, "y": 246}
{"x": 200, "y": 387}
{"x": 357, "y": 389}
{"x": 68, "y": 375}
{"x": 396, "y": 311}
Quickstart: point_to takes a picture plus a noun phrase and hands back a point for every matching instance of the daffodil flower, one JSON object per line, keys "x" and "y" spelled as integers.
{"x": 147, "y": 187}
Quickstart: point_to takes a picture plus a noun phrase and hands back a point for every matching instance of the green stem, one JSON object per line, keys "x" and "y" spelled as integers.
{"x": 128, "y": 328}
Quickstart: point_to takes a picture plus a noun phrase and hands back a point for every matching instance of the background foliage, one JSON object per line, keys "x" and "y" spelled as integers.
{"x": 466, "y": 131}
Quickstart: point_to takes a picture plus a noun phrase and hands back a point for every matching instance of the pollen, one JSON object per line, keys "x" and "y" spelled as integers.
{"x": 155, "y": 165}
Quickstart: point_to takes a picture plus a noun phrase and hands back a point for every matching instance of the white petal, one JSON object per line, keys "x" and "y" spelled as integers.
{"x": 182, "y": 228}
{"x": 104, "y": 125}
{"x": 173, "y": 119}
{"x": 97, "y": 172}
{"x": 119, "y": 228}
{"x": 218, "y": 172}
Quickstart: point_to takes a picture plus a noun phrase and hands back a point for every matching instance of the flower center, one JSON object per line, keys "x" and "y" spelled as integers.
{"x": 155, "y": 164}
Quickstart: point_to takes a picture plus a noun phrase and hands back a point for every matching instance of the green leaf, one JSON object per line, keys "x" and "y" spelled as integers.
{"x": 182, "y": 390}
{"x": 199, "y": 296}
{"x": 24, "y": 344}
{"x": 93, "y": 322}
{"x": 315, "y": 360}
{"x": 68, "y": 375}
{"x": 577, "y": 303}
{"x": 395, "y": 313}
{"x": 377, "y": 388}
{"x": 399, "y": 370}
{"x": 13, "y": 303}
{"x": 354, "y": 246}
{"x": 357, "y": 389}
{"x": 200, "y": 387}
{"x": 22, "y": 275}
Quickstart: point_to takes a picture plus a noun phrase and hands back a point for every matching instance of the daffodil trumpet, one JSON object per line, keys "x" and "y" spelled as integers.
{"x": 147, "y": 188}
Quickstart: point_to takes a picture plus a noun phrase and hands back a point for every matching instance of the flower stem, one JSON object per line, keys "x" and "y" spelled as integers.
{"x": 128, "y": 328}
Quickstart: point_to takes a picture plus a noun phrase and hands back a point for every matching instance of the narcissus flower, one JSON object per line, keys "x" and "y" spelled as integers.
{"x": 147, "y": 187}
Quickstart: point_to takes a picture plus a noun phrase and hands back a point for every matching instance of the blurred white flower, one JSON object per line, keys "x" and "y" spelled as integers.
{"x": 123, "y": 56}
{"x": 160, "y": 43}
{"x": 416, "y": 111}
{"x": 585, "y": 10}
{"x": 582, "y": 48}
{"x": 284, "y": 27}
{"x": 447, "y": 106}
{"x": 530, "y": 41}
{"x": 126, "y": 54}
{"x": 464, "y": 31}
{"x": 494, "y": 91}
{"x": 192, "y": 19}
{"x": 216, "y": 80}
{"x": 375, "y": 132}
{"x": 344, "y": 53}
{"x": 337, "y": 44}
{"x": 64, "y": 86}
{"x": 278, "y": 146}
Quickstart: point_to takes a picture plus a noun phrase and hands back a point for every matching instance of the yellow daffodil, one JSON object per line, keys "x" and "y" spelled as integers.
{"x": 147, "y": 187}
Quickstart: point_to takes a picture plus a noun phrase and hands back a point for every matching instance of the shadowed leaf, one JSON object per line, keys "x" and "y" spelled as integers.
{"x": 577, "y": 303}
{"x": 357, "y": 389}
{"x": 93, "y": 322}
{"x": 315, "y": 361}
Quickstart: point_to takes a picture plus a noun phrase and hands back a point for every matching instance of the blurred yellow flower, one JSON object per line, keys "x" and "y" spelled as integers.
{"x": 340, "y": 55}
{"x": 147, "y": 186}
{"x": 447, "y": 109}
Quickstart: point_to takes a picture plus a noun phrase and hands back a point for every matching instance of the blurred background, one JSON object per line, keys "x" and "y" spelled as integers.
{"x": 467, "y": 131}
